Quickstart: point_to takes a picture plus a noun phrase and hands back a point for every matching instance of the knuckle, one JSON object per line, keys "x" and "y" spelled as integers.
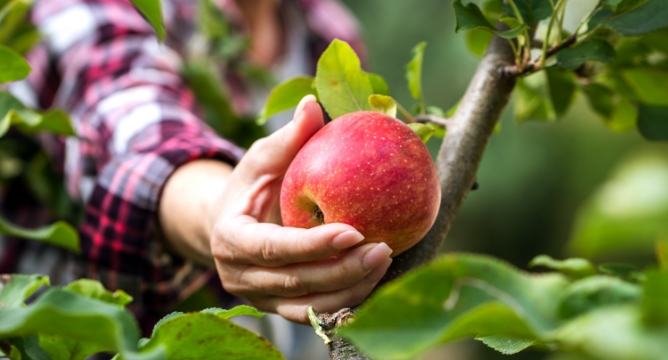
{"x": 269, "y": 253}
{"x": 294, "y": 286}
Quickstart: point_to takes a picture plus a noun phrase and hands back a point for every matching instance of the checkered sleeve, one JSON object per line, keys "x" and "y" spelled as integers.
{"x": 136, "y": 123}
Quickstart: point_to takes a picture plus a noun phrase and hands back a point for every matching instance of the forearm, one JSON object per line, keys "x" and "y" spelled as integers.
{"x": 188, "y": 205}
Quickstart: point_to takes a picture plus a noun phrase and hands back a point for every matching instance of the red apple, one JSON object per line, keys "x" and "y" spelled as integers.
{"x": 367, "y": 170}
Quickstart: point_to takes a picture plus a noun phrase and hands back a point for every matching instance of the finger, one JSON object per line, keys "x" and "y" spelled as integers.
{"x": 274, "y": 153}
{"x": 249, "y": 242}
{"x": 294, "y": 309}
{"x": 312, "y": 277}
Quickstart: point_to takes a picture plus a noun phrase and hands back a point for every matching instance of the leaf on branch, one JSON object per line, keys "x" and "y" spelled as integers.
{"x": 383, "y": 104}
{"x": 423, "y": 131}
{"x": 650, "y": 16}
{"x": 12, "y": 67}
{"x": 470, "y": 17}
{"x": 575, "y": 268}
{"x": 622, "y": 271}
{"x": 532, "y": 10}
{"x": 595, "y": 292}
{"x": 414, "y": 74}
{"x": 653, "y": 122}
{"x": 285, "y": 96}
{"x": 208, "y": 335}
{"x": 152, "y": 12}
{"x": 13, "y": 112}
{"x": 618, "y": 113}
{"x": 342, "y": 86}
{"x": 15, "y": 289}
{"x": 599, "y": 17}
{"x": 378, "y": 84}
{"x": 506, "y": 345}
{"x": 649, "y": 84}
{"x": 241, "y": 310}
{"x": 60, "y": 234}
{"x": 596, "y": 49}
{"x": 477, "y": 41}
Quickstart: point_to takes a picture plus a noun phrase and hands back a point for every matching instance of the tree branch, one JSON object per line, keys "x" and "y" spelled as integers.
{"x": 532, "y": 66}
{"x": 457, "y": 163}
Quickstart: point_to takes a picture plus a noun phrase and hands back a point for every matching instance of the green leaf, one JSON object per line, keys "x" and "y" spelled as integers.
{"x": 657, "y": 40}
{"x": 654, "y": 304}
{"x": 475, "y": 296}
{"x": 424, "y": 132}
{"x": 506, "y": 345}
{"x": 595, "y": 49}
{"x": 599, "y": 17}
{"x": 662, "y": 253}
{"x": 383, "y": 104}
{"x": 601, "y": 98}
{"x": 13, "y": 112}
{"x": 618, "y": 113}
{"x": 414, "y": 74}
{"x": 241, "y": 310}
{"x": 59, "y": 234}
{"x": 63, "y": 313}
{"x": 532, "y": 10}
{"x": 94, "y": 290}
{"x": 653, "y": 122}
{"x": 622, "y": 271}
{"x": 532, "y": 99}
{"x": 286, "y": 95}
{"x": 477, "y": 41}
{"x": 378, "y": 84}
{"x": 12, "y": 17}
{"x": 650, "y": 85}
{"x": 641, "y": 20}
{"x": 341, "y": 84}
{"x": 575, "y": 268}
{"x": 206, "y": 336}
{"x": 562, "y": 85}
{"x": 30, "y": 349}
{"x": 152, "y": 12}
{"x": 627, "y": 213}
{"x": 628, "y": 5}
{"x": 13, "y": 67}
{"x": 470, "y": 17}
{"x": 15, "y": 289}
{"x": 593, "y": 293}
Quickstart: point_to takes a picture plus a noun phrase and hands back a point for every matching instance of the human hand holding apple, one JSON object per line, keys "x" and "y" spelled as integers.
{"x": 286, "y": 269}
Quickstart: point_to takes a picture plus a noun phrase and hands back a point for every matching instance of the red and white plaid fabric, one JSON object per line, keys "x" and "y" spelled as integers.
{"x": 136, "y": 123}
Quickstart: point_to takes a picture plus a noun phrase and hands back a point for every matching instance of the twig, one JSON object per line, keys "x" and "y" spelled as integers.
{"x": 425, "y": 118}
{"x": 532, "y": 66}
{"x": 407, "y": 115}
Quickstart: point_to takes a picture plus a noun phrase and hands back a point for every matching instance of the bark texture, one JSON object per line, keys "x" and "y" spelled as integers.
{"x": 468, "y": 133}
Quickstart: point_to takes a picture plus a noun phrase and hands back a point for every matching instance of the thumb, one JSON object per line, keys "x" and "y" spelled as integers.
{"x": 273, "y": 154}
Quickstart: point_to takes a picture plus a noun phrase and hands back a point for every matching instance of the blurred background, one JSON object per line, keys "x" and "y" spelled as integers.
{"x": 537, "y": 180}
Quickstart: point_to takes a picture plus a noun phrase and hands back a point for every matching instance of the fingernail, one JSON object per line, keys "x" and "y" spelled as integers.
{"x": 347, "y": 239}
{"x": 376, "y": 256}
{"x": 379, "y": 271}
{"x": 303, "y": 102}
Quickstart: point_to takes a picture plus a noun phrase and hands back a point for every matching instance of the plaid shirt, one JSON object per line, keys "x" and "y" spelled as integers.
{"x": 136, "y": 123}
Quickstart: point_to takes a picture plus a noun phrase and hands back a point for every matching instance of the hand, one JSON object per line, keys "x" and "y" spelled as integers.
{"x": 283, "y": 269}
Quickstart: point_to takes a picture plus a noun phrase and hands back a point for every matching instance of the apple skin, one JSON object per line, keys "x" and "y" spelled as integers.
{"x": 367, "y": 170}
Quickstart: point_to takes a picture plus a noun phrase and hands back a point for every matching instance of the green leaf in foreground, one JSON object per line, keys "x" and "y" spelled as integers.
{"x": 595, "y": 292}
{"x": 205, "y": 336}
{"x": 424, "y": 132}
{"x": 342, "y": 86}
{"x": 574, "y": 267}
{"x": 94, "y": 290}
{"x": 15, "y": 289}
{"x": 653, "y": 122}
{"x": 241, "y": 310}
{"x": 470, "y": 17}
{"x": 506, "y": 345}
{"x": 646, "y": 18}
{"x": 152, "y": 11}
{"x": 285, "y": 96}
{"x": 383, "y": 104}
{"x": 12, "y": 67}
{"x": 654, "y": 305}
{"x": 475, "y": 296}
{"x": 60, "y": 234}
{"x": 414, "y": 74}
{"x": 589, "y": 50}
{"x": 63, "y": 313}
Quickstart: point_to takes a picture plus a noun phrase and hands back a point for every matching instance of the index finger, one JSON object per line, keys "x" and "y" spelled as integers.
{"x": 244, "y": 240}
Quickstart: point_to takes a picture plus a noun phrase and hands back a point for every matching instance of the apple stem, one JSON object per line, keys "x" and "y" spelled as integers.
{"x": 318, "y": 215}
